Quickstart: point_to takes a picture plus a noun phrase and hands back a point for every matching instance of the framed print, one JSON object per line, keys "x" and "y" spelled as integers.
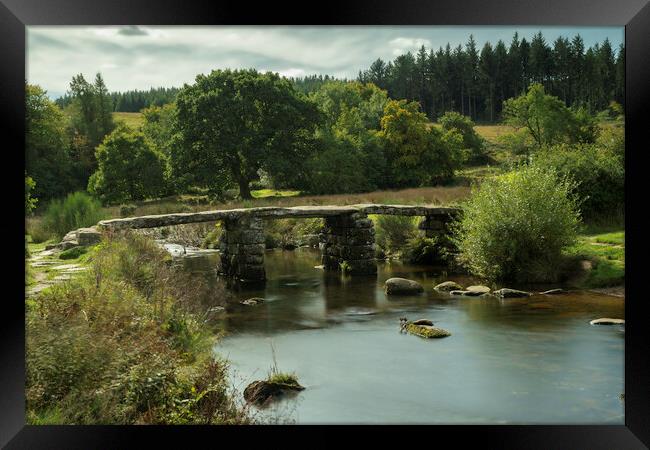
{"x": 369, "y": 214}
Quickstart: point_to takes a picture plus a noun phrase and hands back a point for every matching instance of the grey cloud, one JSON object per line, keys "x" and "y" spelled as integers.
{"x": 133, "y": 30}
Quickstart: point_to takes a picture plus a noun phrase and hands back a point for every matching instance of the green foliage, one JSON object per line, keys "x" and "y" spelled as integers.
{"x": 231, "y": 124}
{"x": 90, "y": 113}
{"x": 30, "y": 202}
{"x": 122, "y": 347}
{"x": 158, "y": 126}
{"x": 598, "y": 171}
{"x": 547, "y": 120}
{"x": 515, "y": 226}
{"x": 473, "y": 144}
{"x": 417, "y": 154}
{"x": 424, "y": 250}
{"x": 77, "y": 210}
{"x": 283, "y": 233}
{"x": 47, "y": 149}
{"x": 392, "y": 233}
{"x": 129, "y": 168}
{"x": 606, "y": 252}
{"x": 73, "y": 253}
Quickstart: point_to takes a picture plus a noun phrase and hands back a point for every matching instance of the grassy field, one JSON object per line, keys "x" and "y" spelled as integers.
{"x": 605, "y": 253}
{"x": 131, "y": 119}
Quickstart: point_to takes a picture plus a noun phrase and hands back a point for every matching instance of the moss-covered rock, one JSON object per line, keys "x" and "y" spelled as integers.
{"x": 261, "y": 392}
{"x": 426, "y": 331}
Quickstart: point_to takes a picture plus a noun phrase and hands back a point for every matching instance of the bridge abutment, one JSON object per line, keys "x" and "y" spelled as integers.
{"x": 348, "y": 244}
{"x": 242, "y": 249}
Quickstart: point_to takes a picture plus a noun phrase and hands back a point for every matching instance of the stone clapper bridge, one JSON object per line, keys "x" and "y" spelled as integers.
{"x": 347, "y": 238}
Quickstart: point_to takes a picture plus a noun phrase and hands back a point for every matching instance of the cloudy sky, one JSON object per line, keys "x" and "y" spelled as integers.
{"x": 144, "y": 57}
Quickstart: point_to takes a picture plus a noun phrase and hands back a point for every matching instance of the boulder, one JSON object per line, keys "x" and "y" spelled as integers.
{"x": 511, "y": 293}
{"x": 554, "y": 292}
{"x": 423, "y": 322}
{"x": 260, "y": 392}
{"x": 448, "y": 286}
{"x": 88, "y": 236}
{"x": 426, "y": 331}
{"x": 467, "y": 293}
{"x": 402, "y": 286}
{"x": 607, "y": 321}
{"x": 252, "y": 301}
{"x": 479, "y": 289}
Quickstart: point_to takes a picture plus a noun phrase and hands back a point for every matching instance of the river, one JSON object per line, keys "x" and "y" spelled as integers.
{"x": 513, "y": 361}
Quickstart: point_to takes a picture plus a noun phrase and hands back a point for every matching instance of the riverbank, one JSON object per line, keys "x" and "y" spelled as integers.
{"x": 126, "y": 340}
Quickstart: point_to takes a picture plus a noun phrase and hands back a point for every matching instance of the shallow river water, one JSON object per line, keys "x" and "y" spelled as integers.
{"x": 515, "y": 361}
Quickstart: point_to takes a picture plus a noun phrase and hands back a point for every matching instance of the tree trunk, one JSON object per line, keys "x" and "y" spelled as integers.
{"x": 244, "y": 189}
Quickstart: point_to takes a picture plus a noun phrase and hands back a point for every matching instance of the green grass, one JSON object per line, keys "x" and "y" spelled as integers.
{"x": 131, "y": 119}
{"x": 606, "y": 252}
{"x": 263, "y": 193}
{"x": 289, "y": 379}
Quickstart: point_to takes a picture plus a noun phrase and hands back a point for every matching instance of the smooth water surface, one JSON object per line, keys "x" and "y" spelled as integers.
{"x": 533, "y": 360}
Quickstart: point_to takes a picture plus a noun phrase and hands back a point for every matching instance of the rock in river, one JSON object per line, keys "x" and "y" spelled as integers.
{"x": 511, "y": 293}
{"x": 554, "y": 292}
{"x": 402, "y": 286}
{"x": 260, "y": 392}
{"x": 607, "y": 321}
{"x": 467, "y": 293}
{"x": 252, "y": 301}
{"x": 479, "y": 289}
{"x": 448, "y": 286}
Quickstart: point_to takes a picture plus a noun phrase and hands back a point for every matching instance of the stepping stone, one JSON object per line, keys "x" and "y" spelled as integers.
{"x": 511, "y": 293}
{"x": 607, "y": 321}
{"x": 448, "y": 286}
{"x": 479, "y": 289}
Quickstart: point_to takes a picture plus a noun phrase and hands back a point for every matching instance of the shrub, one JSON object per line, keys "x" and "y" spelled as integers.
{"x": 125, "y": 344}
{"x": 599, "y": 174}
{"x": 77, "y": 210}
{"x": 393, "y": 232}
{"x": 73, "y": 253}
{"x": 473, "y": 144}
{"x": 127, "y": 210}
{"x": 129, "y": 168}
{"x": 424, "y": 250}
{"x": 515, "y": 226}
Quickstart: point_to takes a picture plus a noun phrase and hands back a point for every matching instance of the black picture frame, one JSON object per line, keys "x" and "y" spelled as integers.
{"x": 633, "y": 14}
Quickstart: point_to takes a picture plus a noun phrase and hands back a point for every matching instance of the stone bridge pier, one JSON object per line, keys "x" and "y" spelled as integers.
{"x": 242, "y": 249}
{"x": 349, "y": 244}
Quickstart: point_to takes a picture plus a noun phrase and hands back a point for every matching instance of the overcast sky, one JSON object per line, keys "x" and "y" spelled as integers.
{"x": 144, "y": 57}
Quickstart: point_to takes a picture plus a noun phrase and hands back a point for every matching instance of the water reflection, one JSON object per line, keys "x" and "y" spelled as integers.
{"x": 531, "y": 360}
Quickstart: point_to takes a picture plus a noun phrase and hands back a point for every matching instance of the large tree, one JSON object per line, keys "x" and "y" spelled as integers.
{"x": 46, "y": 145}
{"x": 129, "y": 168}
{"x": 231, "y": 124}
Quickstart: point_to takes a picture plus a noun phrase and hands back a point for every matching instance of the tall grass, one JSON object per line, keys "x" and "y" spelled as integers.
{"x": 77, "y": 210}
{"x": 126, "y": 344}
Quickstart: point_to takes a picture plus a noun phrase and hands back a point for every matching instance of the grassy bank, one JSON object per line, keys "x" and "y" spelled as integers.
{"x": 126, "y": 342}
{"x": 602, "y": 257}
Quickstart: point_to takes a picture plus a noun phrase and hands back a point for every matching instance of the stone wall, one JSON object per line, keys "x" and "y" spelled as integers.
{"x": 242, "y": 249}
{"x": 348, "y": 241}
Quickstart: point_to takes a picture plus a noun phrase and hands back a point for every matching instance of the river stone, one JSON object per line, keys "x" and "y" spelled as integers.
{"x": 479, "y": 289}
{"x": 467, "y": 293}
{"x": 426, "y": 331}
{"x": 448, "y": 286}
{"x": 423, "y": 322}
{"x": 511, "y": 293}
{"x": 402, "y": 286}
{"x": 607, "y": 321}
{"x": 554, "y": 292}
{"x": 252, "y": 301}
{"x": 260, "y": 392}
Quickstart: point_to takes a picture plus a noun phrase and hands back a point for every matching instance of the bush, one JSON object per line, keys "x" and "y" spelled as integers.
{"x": 77, "y": 210}
{"x": 73, "y": 253}
{"x": 515, "y": 226}
{"x": 127, "y": 210}
{"x": 129, "y": 168}
{"x": 473, "y": 144}
{"x": 392, "y": 233}
{"x": 125, "y": 344}
{"x": 599, "y": 174}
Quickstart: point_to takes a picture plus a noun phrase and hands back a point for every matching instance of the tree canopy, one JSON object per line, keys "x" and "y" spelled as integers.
{"x": 231, "y": 124}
